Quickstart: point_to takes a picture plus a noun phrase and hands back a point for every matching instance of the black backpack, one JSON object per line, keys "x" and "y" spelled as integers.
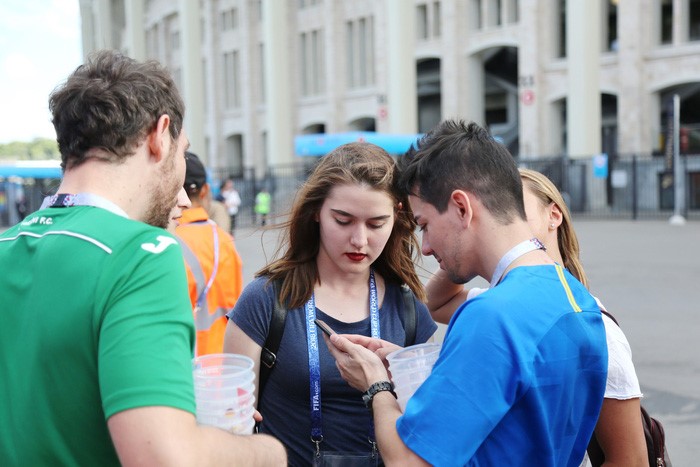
{"x": 653, "y": 432}
{"x": 268, "y": 357}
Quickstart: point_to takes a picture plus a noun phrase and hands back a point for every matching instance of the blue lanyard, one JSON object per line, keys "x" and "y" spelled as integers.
{"x": 314, "y": 362}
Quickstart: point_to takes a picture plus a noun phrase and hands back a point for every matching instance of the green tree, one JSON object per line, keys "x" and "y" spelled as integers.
{"x": 37, "y": 149}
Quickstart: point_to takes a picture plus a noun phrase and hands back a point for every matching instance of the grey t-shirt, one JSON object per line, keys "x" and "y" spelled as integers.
{"x": 285, "y": 404}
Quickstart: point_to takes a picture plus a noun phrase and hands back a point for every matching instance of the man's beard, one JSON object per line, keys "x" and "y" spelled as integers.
{"x": 163, "y": 195}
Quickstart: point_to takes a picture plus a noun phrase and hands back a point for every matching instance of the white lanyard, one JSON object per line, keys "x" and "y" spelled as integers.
{"x": 514, "y": 253}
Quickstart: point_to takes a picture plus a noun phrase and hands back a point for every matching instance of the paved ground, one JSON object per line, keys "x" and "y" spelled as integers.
{"x": 648, "y": 275}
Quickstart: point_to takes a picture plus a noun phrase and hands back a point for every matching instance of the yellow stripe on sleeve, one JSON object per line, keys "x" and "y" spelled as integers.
{"x": 569, "y": 295}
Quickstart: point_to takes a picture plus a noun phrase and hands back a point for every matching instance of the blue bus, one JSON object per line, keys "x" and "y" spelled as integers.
{"x": 23, "y": 186}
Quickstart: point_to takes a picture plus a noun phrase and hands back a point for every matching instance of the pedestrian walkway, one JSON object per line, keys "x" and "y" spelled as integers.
{"x": 647, "y": 273}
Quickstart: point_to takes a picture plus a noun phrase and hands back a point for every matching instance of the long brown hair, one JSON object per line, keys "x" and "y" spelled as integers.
{"x": 355, "y": 163}
{"x": 545, "y": 191}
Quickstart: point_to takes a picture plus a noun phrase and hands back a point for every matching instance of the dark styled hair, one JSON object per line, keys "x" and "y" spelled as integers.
{"x": 354, "y": 163}
{"x": 459, "y": 156}
{"x": 112, "y": 102}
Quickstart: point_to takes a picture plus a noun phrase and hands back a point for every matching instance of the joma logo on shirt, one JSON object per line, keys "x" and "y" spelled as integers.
{"x": 163, "y": 243}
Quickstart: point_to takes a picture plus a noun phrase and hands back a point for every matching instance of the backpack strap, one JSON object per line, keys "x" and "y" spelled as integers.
{"x": 268, "y": 356}
{"x": 409, "y": 315}
{"x": 609, "y": 315}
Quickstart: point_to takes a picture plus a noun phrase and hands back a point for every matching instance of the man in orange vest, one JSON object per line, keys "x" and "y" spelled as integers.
{"x": 214, "y": 267}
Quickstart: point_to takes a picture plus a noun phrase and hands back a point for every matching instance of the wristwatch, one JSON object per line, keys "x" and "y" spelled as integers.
{"x": 376, "y": 388}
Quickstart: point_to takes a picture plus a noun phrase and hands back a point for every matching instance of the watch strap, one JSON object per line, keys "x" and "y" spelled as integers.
{"x": 375, "y": 389}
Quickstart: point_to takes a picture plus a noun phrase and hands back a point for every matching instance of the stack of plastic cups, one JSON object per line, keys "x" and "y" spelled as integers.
{"x": 224, "y": 389}
{"x": 409, "y": 367}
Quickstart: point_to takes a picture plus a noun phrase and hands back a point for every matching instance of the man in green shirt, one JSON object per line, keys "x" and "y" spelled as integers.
{"x": 97, "y": 331}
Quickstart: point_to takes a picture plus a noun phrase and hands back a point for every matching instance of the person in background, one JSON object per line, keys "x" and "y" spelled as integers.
{"x": 104, "y": 376}
{"x": 619, "y": 429}
{"x": 348, "y": 248}
{"x": 214, "y": 267}
{"x": 521, "y": 372}
{"x": 218, "y": 213}
{"x": 232, "y": 200}
{"x": 263, "y": 202}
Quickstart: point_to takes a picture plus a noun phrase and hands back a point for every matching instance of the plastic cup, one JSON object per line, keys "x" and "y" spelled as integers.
{"x": 235, "y": 421}
{"x": 413, "y": 357}
{"x": 224, "y": 368}
{"x": 410, "y": 367}
{"x": 224, "y": 389}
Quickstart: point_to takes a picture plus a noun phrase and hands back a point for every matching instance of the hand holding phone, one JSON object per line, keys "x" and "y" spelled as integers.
{"x": 324, "y": 327}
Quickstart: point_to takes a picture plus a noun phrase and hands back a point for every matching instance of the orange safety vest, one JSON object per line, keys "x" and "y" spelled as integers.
{"x": 198, "y": 238}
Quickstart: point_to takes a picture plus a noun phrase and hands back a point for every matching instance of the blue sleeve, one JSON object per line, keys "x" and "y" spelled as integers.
{"x": 253, "y": 310}
{"x": 452, "y": 413}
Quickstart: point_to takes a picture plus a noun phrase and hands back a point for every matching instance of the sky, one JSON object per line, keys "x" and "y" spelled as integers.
{"x": 40, "y": 45}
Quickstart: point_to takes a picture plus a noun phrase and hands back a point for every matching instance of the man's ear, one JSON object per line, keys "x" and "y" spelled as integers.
{"x": 159, "y": 139}
{"x": 463, "y": 204}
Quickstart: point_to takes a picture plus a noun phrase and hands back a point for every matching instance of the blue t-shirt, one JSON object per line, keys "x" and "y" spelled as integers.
{"x": 520, "y": 377}
{"x": 285, "y": 402}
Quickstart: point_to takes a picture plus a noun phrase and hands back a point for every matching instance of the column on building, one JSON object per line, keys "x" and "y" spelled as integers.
{"x": 453, "y": 80}
{"x": 87, "y": 27}
{"x": 280, "y": 135}
{"x": 583, "y": 112}
{"x": 534, "y": 39}
{"x": 474, "y": 92}
{"x": 402, "y": 102}
{"x": 102, "y": 38}
{"x": 192, "y": 80}
{"x": 135, "y": 29}
{"x": 633, "y": 101}
{"x": 680, "y": 22}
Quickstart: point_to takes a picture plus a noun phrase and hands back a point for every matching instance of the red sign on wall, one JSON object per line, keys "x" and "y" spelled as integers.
{"x": 527, "y": 97}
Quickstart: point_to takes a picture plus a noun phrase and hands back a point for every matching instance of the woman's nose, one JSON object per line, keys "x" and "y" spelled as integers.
{"x": 359, "y": 236}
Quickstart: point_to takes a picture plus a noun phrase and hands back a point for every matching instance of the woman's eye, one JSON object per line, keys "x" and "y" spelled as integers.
{"x": 342, "y": 222}
{"x": 376, "y": 226}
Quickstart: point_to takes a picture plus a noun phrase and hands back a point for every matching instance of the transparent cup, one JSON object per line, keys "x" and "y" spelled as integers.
{"x": 236, "y": 421}
{"x": 410, "y": 367}
{"x": 222, "y": 370}
{"x": 414, "y": 357}
{"x": 224, "y": 389}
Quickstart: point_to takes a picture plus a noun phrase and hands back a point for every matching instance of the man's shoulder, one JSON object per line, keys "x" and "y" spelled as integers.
{"x": 117, "y": 233}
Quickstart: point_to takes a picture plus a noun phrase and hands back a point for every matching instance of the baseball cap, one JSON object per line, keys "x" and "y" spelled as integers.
{"x": 195, "y": 174}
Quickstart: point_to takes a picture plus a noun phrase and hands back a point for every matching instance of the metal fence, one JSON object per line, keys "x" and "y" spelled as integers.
{"x": 634, "y": 187}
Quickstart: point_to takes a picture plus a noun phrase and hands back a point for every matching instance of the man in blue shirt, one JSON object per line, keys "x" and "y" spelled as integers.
{"x": 521, "y": 373}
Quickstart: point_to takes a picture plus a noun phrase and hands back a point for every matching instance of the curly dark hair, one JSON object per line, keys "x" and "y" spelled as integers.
{"x": 112, "y": 102}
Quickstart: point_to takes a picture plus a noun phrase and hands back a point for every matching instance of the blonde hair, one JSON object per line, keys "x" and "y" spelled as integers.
{"x": 545, "y": 191}
{"x": 352, "y": 163}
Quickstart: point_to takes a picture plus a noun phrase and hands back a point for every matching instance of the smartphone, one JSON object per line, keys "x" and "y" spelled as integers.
{"x": 324, "y": 327}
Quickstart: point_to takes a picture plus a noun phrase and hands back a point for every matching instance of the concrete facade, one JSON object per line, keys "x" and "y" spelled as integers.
{"x": 342, "y": 73}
